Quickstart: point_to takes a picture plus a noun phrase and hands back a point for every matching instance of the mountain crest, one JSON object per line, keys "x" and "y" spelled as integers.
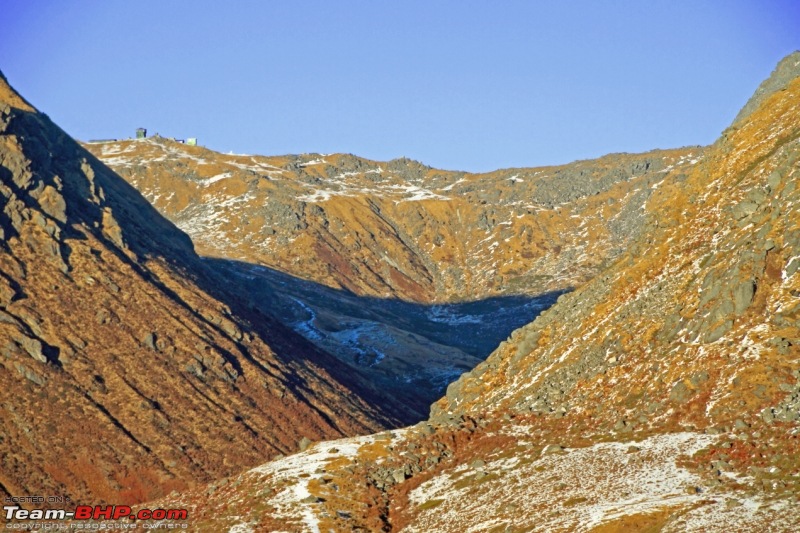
{"x": 10, "y": 97}
{"x": 787, "y": 69}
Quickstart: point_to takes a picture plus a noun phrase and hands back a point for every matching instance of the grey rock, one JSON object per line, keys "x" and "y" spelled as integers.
{"x": 698, "y": 378}
{"x": 427, "y": 429}
{"x": 792, "y": 266}
{"x": 53, "y": 203}
{"x": 717, "y": 333}
{"x": 787, "y": 70}
{"x": 743, "y": 296}
{"x": 34, "y": 348}
{"x": 744, "y": 209}
{"x": 102, "y": 316}
{"x": 623, "y": 426}
{"x": 432, "y": 460}
{"x": 30, "y": 375}
{"x": 399, "y": 475}
{"x": 774, "y": 179}
{"x": 150, "y": 341}
{"x": 721, "y": 465}
{"x": 7, "y": 292}
{"x": 10, "y": 349}
{"x": 731, "y": 503}
{"x": 680, "y": 392}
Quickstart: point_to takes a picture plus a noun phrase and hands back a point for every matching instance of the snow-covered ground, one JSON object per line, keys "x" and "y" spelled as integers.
{"x": 580, "y": 489}
{"x": 296, "y": 472}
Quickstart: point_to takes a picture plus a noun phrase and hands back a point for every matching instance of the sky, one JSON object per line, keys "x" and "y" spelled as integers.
{"x": 460, "y": 85}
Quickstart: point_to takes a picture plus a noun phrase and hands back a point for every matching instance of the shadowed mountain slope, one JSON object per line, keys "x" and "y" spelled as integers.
{"x": 121, "y": 375}
{"x": 408, "y": 274}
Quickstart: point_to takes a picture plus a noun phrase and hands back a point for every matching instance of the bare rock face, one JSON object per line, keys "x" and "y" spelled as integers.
{"x": 785, "y": 72}
{"x": 88, "y": 270}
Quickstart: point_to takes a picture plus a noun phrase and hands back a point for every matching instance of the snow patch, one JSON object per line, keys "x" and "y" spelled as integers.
{"x": 317, "y": 161}
{"x": 298, "y": 470}
{"x": 445, "y": 315}
{"x": 216, "y": 178}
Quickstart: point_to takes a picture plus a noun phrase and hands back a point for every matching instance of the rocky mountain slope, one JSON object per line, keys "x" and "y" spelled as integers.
{"x": 399, "y": 229}
{"x": 408, "y": 274}
{"x": 125, "y": 372}
{"x": 662, "y": 395}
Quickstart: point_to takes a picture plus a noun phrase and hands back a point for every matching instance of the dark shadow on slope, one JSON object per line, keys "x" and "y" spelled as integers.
{"x": 396, "y": 356}
{"x": 97, "y": 200}
{"x": 409, "y": 351}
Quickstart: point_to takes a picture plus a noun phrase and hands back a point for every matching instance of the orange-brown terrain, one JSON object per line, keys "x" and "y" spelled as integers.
{"x": 663, "y": 394}
{"x": 408, "y": 274}
{"x": 126, "y": 369}
{"x": 399, "y": 229}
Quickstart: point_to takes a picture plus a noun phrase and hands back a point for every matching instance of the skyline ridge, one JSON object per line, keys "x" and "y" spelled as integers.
{"x": 459, "y": 87}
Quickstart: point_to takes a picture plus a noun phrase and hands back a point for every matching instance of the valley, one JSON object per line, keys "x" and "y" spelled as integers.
{"x": 322, "y": 342}
{"x": 408, "y": 274}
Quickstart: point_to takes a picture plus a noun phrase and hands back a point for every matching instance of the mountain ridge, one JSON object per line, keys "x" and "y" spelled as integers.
{"x": 786, "y": 70}
{"x": 184, "y": 180}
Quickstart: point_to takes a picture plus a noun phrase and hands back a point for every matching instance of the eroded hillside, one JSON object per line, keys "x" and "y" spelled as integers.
{"x": 124, "y": 372}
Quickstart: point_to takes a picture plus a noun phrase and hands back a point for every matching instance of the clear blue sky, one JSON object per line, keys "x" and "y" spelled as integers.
{"x": 455, "y": 84}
